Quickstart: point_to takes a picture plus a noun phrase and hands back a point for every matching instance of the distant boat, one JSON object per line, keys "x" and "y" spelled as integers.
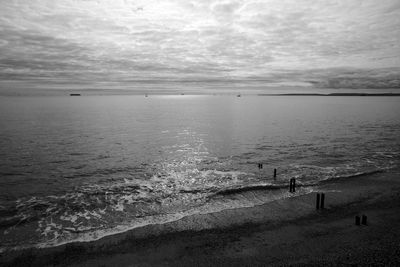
{"x": 238, "y": 95}
{"x": 74, "y": 94}
{"x": 146, "y": 95}
{"x": 182, "y": 94}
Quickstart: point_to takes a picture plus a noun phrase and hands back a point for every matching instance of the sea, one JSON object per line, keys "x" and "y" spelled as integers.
{"x": 84, "y": 167}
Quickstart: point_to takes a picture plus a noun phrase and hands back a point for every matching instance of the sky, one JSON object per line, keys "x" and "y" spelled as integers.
{"x": 141, "y": 44}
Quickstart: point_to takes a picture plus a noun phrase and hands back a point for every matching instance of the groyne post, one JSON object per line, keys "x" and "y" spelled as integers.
{"x": 274, "y": 173}
{"x": 357, "y": 220}
{"x": 292, "y": 185}
{"x": 322, "y": 201}
{"x": 364, "y": 220}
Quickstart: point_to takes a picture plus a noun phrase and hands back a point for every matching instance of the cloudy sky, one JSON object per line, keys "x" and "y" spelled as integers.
{"x": 128, "y": 43}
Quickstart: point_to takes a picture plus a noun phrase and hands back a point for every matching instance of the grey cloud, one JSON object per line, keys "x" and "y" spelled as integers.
{"x": 358, "y": 78}
{"x": 270, "y": 41}
{"x": 28, "y": 55}
{"x": 224, "y": 11}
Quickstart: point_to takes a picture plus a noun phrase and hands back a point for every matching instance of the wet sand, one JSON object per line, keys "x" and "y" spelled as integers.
{"x": 284, "y": 232}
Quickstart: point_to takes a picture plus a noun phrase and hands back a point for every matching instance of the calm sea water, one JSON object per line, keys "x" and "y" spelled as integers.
{"x": 78, "y": 168}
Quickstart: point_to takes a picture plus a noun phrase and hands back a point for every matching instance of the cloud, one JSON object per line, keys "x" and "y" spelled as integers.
{"x": 89, "y": 41}
{"x": 358, "y": 78}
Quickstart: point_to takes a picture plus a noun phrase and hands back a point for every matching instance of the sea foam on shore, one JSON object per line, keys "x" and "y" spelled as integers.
{"x": 339, "y": 193}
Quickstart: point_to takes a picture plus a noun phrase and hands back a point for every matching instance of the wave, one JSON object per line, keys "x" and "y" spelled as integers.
{"x": 271, "y": 186}
{"x": 87, "y": 206}
{"x": 104, "y": 172}
{"x": 240, "y": 189}
{"x": 11, "y": 174}
{"x": 355, "y": 175}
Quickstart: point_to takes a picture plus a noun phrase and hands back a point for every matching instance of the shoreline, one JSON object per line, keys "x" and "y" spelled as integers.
{"x": 182, "y": 93}
{"x": 197, "y": 233}
{"x": 239, "y": 197}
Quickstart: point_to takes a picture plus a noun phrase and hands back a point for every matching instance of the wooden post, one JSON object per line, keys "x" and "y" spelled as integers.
{"x": 274, "y": 173}
{"x": 364, "y": 220}
{"x": 357, "y": 220}
{"x": 317, "y": 204}
{"x": 322, "y": 201}
{"x": 294, "y": 185}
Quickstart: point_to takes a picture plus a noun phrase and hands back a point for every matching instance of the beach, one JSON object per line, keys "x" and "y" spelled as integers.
{"x": 199, "y": 133}
{"x": 288, "y": 231}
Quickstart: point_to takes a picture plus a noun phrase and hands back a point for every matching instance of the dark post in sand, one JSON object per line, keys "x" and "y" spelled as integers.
{"x": 292, "y": 185}
{"x": 322, "y": 201}
{"x": 364, "y": 219}
{"x": 320, "y": 204}
{"x": 357, "y": 220}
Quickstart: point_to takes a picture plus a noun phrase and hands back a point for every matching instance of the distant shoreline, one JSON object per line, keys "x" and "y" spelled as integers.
{"x": 200, "y": 94}
{"x": 333, "y": 94}
{"x": 206, "y": 92}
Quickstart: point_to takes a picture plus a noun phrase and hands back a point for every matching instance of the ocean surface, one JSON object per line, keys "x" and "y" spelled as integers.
{"x": 79, "y": 168}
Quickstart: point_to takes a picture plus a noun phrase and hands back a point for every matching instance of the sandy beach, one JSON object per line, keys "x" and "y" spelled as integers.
{"x": 284, "y": 232}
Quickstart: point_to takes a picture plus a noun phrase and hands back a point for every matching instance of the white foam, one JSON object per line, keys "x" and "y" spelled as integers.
{"x": 95, "y": 234}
